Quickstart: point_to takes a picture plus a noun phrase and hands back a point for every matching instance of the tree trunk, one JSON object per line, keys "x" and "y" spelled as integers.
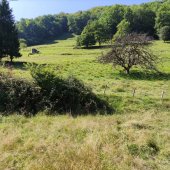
{"x": 127, "y": 70}
{"x": 11, "y": 58}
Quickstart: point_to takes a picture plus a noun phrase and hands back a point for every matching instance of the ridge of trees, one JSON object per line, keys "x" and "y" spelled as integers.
{"x": 101, "y": 23}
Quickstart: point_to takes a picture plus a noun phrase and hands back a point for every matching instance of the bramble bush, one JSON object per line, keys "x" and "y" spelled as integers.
{"x": 17, "y": 95}
{"x": 66, "y": 94}
{"x": 48, "y": 92}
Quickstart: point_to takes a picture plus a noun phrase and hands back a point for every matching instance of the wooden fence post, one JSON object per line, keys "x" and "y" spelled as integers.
{"x": 134, "y": 92}
{"x": 162, "y": 95}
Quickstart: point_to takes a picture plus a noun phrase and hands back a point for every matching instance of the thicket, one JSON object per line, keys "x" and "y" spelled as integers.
{"x": 40, "y": 29}
{"x": 101, "y": 22}
{"x": 50, "y": 93}
{"x": 17, "y": 95}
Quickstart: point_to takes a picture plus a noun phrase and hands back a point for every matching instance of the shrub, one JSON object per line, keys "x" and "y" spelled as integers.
{"x": 18, "y": 96}
{"x": 48, "y": 92}
{"x": 165, "y": 33}
{"x": 66, "y": 94}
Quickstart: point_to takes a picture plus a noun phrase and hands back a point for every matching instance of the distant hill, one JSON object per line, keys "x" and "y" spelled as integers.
{"x": 145, "y": 18}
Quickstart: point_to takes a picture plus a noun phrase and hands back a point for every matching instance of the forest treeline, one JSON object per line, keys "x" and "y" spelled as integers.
{"x": 99, "y": 24}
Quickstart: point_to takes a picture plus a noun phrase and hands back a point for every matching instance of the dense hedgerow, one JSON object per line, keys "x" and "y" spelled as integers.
{"x": 66, "y": 94}
{"x": 18, "y": 95}
{"x": 48, "y": 92}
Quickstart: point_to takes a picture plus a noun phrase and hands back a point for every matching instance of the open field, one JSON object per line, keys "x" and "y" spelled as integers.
{"x": 136, "y": 136}
{"x": 103, "y": 79}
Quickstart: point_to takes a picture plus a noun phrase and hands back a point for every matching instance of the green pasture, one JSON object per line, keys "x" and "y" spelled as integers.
{"x": 135, "y": 137}
{"x": 103, "y": 79}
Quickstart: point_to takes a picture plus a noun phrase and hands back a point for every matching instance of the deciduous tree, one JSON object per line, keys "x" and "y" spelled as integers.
{"x": 129, "y": 51}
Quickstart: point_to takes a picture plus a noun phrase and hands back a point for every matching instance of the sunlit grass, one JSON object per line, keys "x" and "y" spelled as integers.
{"x": 102, "y": 78}
{"x": 136, "y": 136}
{"x": 128, "y": 141}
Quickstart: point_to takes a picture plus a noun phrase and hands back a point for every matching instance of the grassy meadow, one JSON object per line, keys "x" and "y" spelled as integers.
{"x": 136, "y": 136}
{"x": 131, "y": 141}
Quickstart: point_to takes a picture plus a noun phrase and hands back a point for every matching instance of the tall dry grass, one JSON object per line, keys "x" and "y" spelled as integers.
{"x": 131, "y": 141}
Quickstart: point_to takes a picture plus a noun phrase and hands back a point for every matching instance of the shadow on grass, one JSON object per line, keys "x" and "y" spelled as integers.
{"x": 167, "y": 42}
{"x": 15, "y": 65}
{"x": 65, "y": 36}
{"x": 130, "y": 104}
{"x": 62, "y": 37}
{"x": 138, "y": 75}
{"x": 97, "y": 47}
{"x": 54, "y": 40}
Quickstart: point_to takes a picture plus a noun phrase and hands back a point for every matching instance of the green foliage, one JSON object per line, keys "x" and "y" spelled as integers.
{"x": 23, "y": 43}
{"x": 123, "y": 28}
{"x": 163, "y": 16}
{"x": 92, "y": 33}
{"x": 9, "y": 43}
{"x": 165, "y": 33}
{"x": 66, "y": 95}
{"x": 100, "y": 31}
{"x": 112, "y": 17}
{"x": 18, "y": 96}
{"x": 78, "y": 21}
{"x": 86, "y": 39}
{"x": 49, "y": 92}
{"x": 101, "y": 21}
{"x": 143, "y": 21}
{"x": 41, "y": 29}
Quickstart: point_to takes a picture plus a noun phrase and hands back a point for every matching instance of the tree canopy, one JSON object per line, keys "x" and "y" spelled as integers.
{"x": 165, "y": 33}
{"x": 102, "y": 22}
{"x": 129, "y": 51}
{"x": 9, "y": 43}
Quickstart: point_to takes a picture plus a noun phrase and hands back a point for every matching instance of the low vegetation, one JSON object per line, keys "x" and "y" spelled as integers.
{"x": 128, "y": 141}
{"x": 18, "y": 96}
{"x": 49, "y": 93}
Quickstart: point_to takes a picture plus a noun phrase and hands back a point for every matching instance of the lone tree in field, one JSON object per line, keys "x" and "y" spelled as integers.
{"x": 9, "y": 43}
{"x": 131, "y": 50}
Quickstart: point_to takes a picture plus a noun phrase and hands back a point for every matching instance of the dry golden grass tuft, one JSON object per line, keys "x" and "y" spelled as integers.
{"x": 128, "y": 141}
